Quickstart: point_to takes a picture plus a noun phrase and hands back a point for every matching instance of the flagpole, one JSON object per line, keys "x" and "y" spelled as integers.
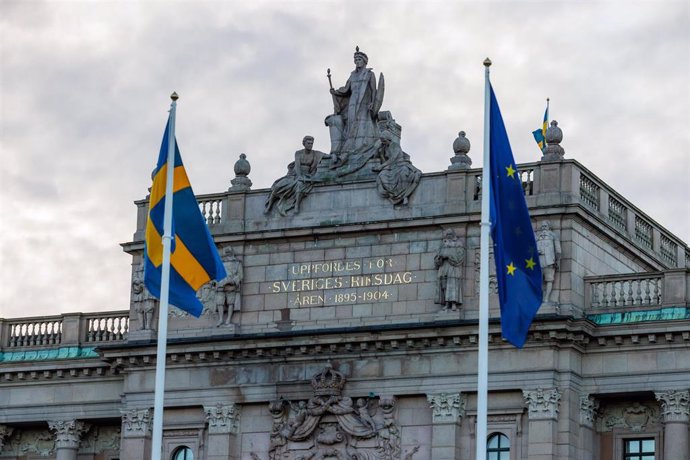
{"x": 483, "y": 353}
{"x": 159, "y": 389}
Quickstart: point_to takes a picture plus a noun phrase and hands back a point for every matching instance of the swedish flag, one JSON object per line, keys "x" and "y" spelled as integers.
{"x": 540, "y": 134}
{"x": 515, "y": 249}
{"x": 194, "y": 258}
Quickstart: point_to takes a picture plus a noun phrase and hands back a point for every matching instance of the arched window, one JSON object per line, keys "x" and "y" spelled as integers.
{"x": 498, "y": 447}
{"x": 182, "y": 453}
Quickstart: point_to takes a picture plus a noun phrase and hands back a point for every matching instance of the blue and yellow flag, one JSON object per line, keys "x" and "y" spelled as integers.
{"x": 515, "y": 250}
{"x": 540, "y": 134}
{"x": 194, "y": 258}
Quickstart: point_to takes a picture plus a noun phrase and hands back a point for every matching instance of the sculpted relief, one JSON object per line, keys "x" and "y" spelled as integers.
{"x": 365, "y": 144}
{"x": 332, "y": 425}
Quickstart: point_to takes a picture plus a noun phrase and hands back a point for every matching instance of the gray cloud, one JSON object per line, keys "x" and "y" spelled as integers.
{"x": 84, "y": 88}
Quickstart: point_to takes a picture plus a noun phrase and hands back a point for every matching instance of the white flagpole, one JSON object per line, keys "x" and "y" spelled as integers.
{"x": 483, "y": 354}
{"x": 159, "y": 389}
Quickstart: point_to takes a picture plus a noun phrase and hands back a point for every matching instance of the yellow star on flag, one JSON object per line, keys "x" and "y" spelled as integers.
{"x": 510, "y": 171}
{"x": 530, "y": 263}
{"x": 511, "y": 269}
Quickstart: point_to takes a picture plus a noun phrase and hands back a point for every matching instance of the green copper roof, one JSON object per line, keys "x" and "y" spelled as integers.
{"x": 49, "y": 354}
{"x": 640, "y": 316}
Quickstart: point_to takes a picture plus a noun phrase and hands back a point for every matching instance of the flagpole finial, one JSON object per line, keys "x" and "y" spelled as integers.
{"x": 487, "y": 62}
{"x": 174, "y": 96}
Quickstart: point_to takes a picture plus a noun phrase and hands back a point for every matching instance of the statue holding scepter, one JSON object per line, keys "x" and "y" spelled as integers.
{"x": 356, "y": 105}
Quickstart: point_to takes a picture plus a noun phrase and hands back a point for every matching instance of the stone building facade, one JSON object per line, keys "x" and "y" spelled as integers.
{"x": 332, "y": 342}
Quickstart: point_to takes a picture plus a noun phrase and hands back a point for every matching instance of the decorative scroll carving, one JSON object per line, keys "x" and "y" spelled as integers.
{"x": 101, "y": 439}
{"x": 5, "y": 432}
{"x": 137, "y": 422}
{"x": 330, "y": 425}
{"x": 23, "y": 442}
{"x": 223, "y": 418}
{"x": 675, "y": 405}
{"x": 636, "y": 417}
{"x": 68, "y": 433}
{"x": 447, "y": 408}
{"x": 542, "y": 404}
{"x": 589, "y": 407}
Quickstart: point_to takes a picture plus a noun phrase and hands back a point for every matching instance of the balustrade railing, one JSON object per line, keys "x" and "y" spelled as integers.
{"x": 211, "y": 207}
{"x": 110, "y": 328}
{"x": 526, "y": 178}
{"x": 635, "y": 290}
{"x": 35, "y": 332}
{"x": 589, "y": 192}
{"x": 65, "y": 330}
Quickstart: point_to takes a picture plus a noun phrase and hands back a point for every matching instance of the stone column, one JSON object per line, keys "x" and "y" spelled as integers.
{"x": 675, "y": 406}
{"x": 136, "y": 434}
{"x": 67, "y": 436}
{"x": 223, "y": 427}
{"x": 589, "y": 447}
{"x": 543, "y": 417}
{"x": 447, "y": 411}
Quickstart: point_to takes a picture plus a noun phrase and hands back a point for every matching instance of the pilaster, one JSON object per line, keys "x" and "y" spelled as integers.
{"x": 675, "y": 408}
{"x": 136, "y": 434}
{"x": 447, "y": 411}
{"x": 543, "y": 416}
{"x": 589, "y": 408}
{"x": 223, "y": 426}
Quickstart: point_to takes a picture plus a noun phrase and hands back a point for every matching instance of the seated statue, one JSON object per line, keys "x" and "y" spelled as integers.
{"x": 397, "y": 177}
{"x": 289, "y": 190}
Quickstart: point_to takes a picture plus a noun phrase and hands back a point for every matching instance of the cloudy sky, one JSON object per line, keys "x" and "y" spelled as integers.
{"x": 85, "y": 85}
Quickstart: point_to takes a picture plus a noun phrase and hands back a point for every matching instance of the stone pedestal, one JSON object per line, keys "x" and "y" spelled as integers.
{"x": 67, "y": 436}
{"x": 543, "y": 418}
{"x": 136, "y": 434}
{"x": 223, "y": 427}
{"x": 588, "y": 438}
{"x": 675, "y": 407}
{"x": 447, "y": 411}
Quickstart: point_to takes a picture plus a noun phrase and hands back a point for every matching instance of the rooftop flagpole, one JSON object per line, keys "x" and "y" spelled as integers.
{"x": 159, "y": 391}
{"x": 483, "y": 352}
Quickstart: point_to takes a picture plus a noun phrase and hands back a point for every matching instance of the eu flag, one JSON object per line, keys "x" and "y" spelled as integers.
{"x": 540, "y": 134}
{"x": 515, "y": 250}
{"x": 194, "y": 258}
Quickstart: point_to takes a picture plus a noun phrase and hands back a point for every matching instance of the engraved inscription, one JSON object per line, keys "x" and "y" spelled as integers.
{"x": 349, "y": 282}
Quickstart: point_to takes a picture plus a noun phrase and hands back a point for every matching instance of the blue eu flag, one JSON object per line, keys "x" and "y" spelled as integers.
{"x": 194, "y": 258}
{"x": 515, "y": 250}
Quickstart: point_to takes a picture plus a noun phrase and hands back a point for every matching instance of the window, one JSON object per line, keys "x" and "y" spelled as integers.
{"x": 498, "y": 447}
{"x": 183, "y": 453}
{"x": 639, "y": 449}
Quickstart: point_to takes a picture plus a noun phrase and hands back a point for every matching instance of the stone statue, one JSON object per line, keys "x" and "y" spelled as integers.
{"x": 144, "y": 303}
{"x": 549, "y": 248}
{"x": 356, "y": 105}
{"x": 283, "y": 193}
{"x": 228, "y": 296}
{"x": 397, "y": 177}
{"x": 289, "y": 190}
{"x": 448, "y": 261}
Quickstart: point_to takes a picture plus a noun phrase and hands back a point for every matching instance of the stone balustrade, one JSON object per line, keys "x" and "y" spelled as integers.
{"x": 670, "y": 288}
{"x": 556, "y": 183}
{"x": 68, "y": 330}
{"x": 627, "y": 290}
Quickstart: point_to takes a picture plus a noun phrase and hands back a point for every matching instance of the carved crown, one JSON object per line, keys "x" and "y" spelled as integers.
{"x": 328, "y": 382}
